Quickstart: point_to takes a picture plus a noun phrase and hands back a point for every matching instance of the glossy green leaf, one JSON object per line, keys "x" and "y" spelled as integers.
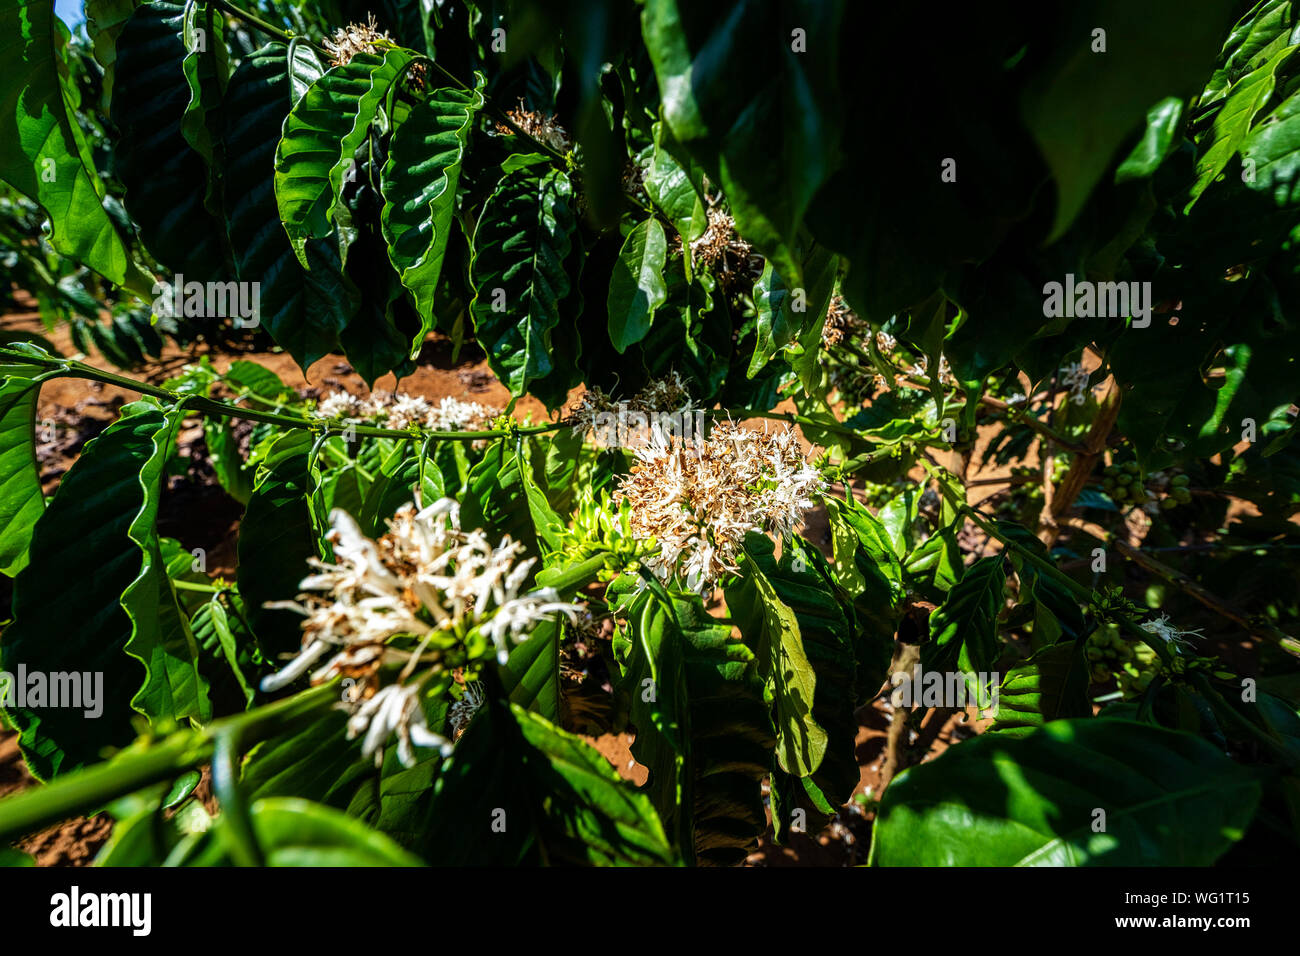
{"x": 207, "y": 71}
{"x": 295, "y": 832}
{"x": 1050, "y": 685}
{"x": 676, "y": 191}
{"x": 964, "y": 629}
{"x": 304, "y": 310}
{"x": 1082, "y": 106}
{"x": 517, "y": 790}
{"x": 703, "y": 727}
{"x": 43, "y": 152}
{"x": 1234, "y": 120}
{"x": 21, "y": 498}
{"x": 637, "y": 288}
{"x": 419, "y": 186}
{"x": 520, "y": 244}
{"x": 321, "y": 135}
{"x": 276, "y": 537}
{"x": 774, "y": 631}
{"x": 1169, "y": 799}
{"x": 1164, "y": 123}
{"x": 90, "y": 533}
{"x": 761, "y": 117}
{"x": 161, "y": 638}
{"x": 166, "y": 179}
{"x": 531, "y": 675}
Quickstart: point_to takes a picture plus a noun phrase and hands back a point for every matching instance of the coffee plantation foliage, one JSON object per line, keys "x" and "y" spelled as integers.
{"x": 1064, "y": 245}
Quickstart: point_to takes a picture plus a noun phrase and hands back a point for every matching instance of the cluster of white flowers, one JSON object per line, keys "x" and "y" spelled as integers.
{"x": 400, "y": 410}
{"x": 1075, "y": 377}
{"x": 699, "y": 499}
{"x": 425, "y": 578}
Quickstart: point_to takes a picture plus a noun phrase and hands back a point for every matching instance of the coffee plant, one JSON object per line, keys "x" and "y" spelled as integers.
{"x": 1006, "y": 306}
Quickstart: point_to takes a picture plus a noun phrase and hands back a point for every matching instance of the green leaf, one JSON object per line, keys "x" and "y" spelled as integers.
{"x": 1170, "y": 799}
{"x": 166, "y": 180}
{"x": 559, "y": 801}
{"x": 675, "y": 191}
{"x": 223, "y": 453}
{"x": 227, "y": 640}
{"x": 161, "y": 638}
{"x": 207, "y": 71}
{"x": 1056, "y": 610}
{"x": 1234, "y": 120}
{"x": 637, "y": 287}
{"x": 21, "y": 499}
{"x": 867, "y": 569}
{"x": 734, "y": 87}
{"x": 788, "y": 315}
{"x": 703, "y": 726}
{"x": 43, "y": 152}
{"x": 276, "y": 537}
{"x": 774, "y": 632}
{"x": 1081, "y": 107}
{"x": 90, "y": 534}
{"x": 495, "y": 500}
{"x": 311, "y": 758}
{"x": 304, "y": 311}
{"x": 805, "y": 352}
{"x": 321, "y": 135}
{"x": 255, "y": 379}
{"x": 964, "y": 629}
{"x": 1164, "y": 123}
{"x": 294, "y": 832}
{"x": 393, "y": 487}
{"x": 520, "y": 244}
{"x": 419, "y": 186}
{"x": 531, "y": 675}
{"x": 550, "y": 527}
{"x": 104, "y": 22}
{"x": 828, "y": 628}
{"x": 1256, "y": 36}
{"x": 1050, "y": 685}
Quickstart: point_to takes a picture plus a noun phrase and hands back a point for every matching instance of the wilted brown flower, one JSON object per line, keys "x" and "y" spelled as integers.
{"x": 541, "y": 127}
{"x": 356, "y": 38}
{"x": 698, "y": 500}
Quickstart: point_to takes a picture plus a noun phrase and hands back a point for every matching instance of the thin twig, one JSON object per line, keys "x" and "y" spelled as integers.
{"x": 1256, "y": 626}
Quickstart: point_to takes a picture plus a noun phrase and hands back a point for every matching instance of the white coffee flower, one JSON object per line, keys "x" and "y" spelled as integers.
{"x": 453, "y": 415}
{"x": 424, "y": 578}
{"x": 1167, "y": 632}
{"x": 1075, "y": 377}
{"x": 395, "y": 709}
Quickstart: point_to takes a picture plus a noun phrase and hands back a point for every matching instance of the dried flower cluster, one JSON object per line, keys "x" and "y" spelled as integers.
{"x": 401, "y": 411}
{"x": 721, "y": 247}
{"x": 425, "y": 579}
{"x": 540, "y": 126}
{"x": 667, "y": 395}
{"x": 633, "y": 181}
{"x": 698, "y": 500}
{"x": 922, "y": 370}
{"x": 356, "y": 38}
{"x": 840, "y": 321}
